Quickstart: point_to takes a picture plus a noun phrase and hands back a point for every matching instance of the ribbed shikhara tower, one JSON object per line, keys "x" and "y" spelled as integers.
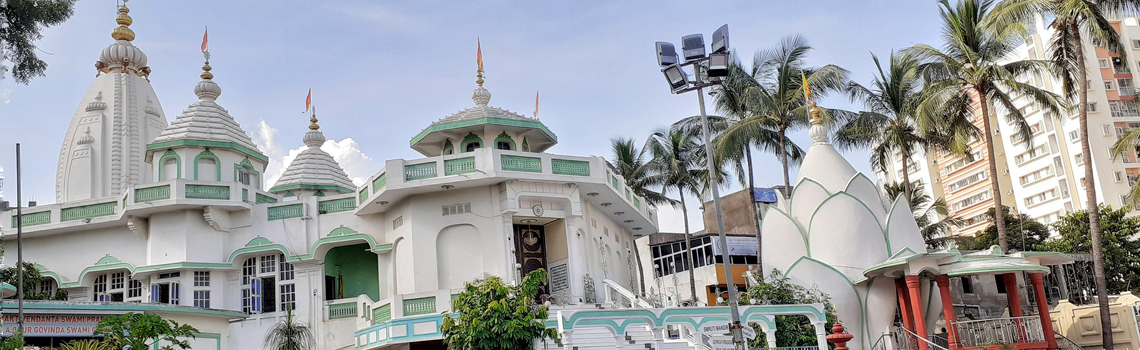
{"x": 102, "y": 153}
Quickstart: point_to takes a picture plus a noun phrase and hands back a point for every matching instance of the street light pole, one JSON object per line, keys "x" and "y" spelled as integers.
{"x": 733, "y": 300}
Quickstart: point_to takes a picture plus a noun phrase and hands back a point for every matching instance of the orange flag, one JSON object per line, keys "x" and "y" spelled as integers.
{"x": 205, "y": 39}
{"x": 536, "y": 105}
{"x": 807, "y": 90}
{"x": 479, "y": 53}
{"x": 308, "y": 100}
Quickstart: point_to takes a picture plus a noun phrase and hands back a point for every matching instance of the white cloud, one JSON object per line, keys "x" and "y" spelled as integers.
{"x": 356, "y": 164}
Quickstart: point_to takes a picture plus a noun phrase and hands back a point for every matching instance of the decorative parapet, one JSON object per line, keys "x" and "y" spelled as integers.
{"x": 459, "y": 166}
{"x": 261, "y": 198}
{"x": 286, "y": 211}
{"x": 382, "y": 314}
{"x": 419, "y": 171}
{"x": 364, "y": 194}
{"x": 379, "y": 183}
{"x": 343, "y": 310}
{"x": 87, "y": 211}
{"x": 207, "y": 192}
{"x": 336, "y": 205}
{"x": 152, "y": 193}
{"x": 519, "y": 163}
{"x": 570, "y": 167}
{"x": 32, "y": 219}
{"x": 419, "y": 306}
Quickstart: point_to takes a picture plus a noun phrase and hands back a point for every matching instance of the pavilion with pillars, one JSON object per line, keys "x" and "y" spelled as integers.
{"x": 917, "y": 298}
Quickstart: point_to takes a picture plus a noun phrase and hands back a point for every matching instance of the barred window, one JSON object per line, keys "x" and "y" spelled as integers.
{"x": 202, "y": 299}
{"x": 201, "y": 278}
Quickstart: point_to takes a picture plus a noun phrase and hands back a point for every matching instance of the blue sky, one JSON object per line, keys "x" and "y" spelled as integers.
{"x": 382, "y": 71}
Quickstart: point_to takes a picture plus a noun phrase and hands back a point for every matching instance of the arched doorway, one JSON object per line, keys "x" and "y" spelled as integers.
{"x": 351, "y": 271}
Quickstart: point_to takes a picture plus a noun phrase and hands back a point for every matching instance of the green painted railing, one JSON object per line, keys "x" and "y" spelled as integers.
{"x": 379, "y": 182}
{"x": 245, "y": 195}
{"x": 459, "y": 166}
{"x": 207, "y": 192}
{"x": 261, "y": 198}
{"x": 342, "y": 310}
{"x": 33, "y": 219}
{"x": 152, "y": 193}
{"x": 382, "y": 314}
{"x": 364, "y": 195}
{"x": 286, "y": 211}
{"x": 570, "y": 167}
{"x": 517, "y": 163}
{"x": 336, "y": 205}
{"x": 614, "y": 181}
{"x": 419, "y": 306}
{"x": 87, "y": 211}
{"x": 419, "y": 171}
{"x": 636, "y": 203}
{"x": 628, "y": 197}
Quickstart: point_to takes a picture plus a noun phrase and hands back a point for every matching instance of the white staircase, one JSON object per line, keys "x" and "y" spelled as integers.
{"x": 598, "y": 338}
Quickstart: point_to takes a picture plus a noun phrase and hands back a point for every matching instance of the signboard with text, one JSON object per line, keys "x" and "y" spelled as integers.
{"x": 737, "y": 245}
{"x": 53, "y": 325}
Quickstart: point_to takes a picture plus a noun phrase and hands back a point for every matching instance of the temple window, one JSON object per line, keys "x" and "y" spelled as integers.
{"x": 504, "y": 142}
{"x": 167, "y": 290}
{"x": 471, "y": 143}
{"x": 115, "y": 286}
{"x": 267, "y": 285}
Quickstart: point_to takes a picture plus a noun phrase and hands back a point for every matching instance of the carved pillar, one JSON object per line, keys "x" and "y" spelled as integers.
{"x": 904, "y": 304}
{"x": 567, "y": 337}
{"x": 821, "y": 334}
{"x": 948, "y": 310}
{"x": 770, "y": 336}
{"x": 1043, "y": 309}
{"x": 576, "y": 265}
{"x": 913, "y": 283}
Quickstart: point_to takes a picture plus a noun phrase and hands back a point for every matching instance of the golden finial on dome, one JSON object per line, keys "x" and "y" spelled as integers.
{"x": 206, "y": 71}
{"x": 123, "y": 32}
{"x": 313, "y": 120}
{"x": 815, "y": 119}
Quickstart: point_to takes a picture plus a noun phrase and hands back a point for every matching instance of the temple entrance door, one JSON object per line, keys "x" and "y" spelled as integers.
{"x": 530, "y": 249}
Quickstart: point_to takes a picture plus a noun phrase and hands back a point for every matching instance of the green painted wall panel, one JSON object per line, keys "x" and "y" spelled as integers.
{"x": 357, "y": 266}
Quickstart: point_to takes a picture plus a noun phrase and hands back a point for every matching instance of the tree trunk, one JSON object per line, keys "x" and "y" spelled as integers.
{"x": 688, "y": 247}
{"x": 906, "y": 178}
{"x": 1090, "y": 193}
{"x": 999, "y": 211}
{"x": 784, "y": 162}
{"x": 755, "y": 212}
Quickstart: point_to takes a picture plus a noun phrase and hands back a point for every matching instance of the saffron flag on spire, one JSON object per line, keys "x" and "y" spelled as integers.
{"x": 308, "y": 100}
{"x": 479, "y": 53}
{"x": 536, "y": 105}
{"x": 205, "y": 39}
{"x": 807, "y": 90}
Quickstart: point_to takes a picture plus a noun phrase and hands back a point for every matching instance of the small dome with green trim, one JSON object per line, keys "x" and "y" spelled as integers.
{"x": 483, "y": 126}
{"x": 314, "y": 169}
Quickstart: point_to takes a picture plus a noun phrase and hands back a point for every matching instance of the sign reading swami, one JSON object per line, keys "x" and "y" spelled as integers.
{"x": 53, "y": 325}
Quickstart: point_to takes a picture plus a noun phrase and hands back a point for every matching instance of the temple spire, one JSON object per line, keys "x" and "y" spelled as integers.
{"x": 313, "y": 120}
{"x": 123, "y": 31}
{"x": 479, "y": 59}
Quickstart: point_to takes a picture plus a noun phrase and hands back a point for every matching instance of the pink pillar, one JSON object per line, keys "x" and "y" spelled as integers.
{"x": 904, "y": 304}
{"x": 948, "y": 310}
{"x": 1043, "y": 309}
{"x": 912, "y": 283}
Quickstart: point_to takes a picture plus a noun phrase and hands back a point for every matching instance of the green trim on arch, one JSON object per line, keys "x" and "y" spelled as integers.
{"x": 177, "y": 164}
{"x": 217, "y": 164}
{"x": 260, "y": 245}
{"x": 254, "y": 174}
{"x": 209, "y": 144}
{"x": 135, "y": 307}
{"x": 485, "y": 120}
{"x": 470, "y": 138}
{"x": 503, "y": 137}
{"x": 448, "y": 148}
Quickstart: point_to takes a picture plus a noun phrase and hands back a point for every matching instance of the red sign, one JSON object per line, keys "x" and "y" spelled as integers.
{"x": 53, "y": 325}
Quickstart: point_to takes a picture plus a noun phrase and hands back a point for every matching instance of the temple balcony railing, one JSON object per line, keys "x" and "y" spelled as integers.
{"x": 487, "y": 166}
{"x": 137, "y": 201}
{"x": 1010, "y": 330}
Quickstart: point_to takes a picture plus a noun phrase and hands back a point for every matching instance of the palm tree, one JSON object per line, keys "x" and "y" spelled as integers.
{"x": 769, "y": 101}
{"x": 1076, "y": 21}
{"x": 629, "y": 162}
{"x": 967, "y": 69}
{"x": 675, "y": 156}
{"x": 935, "y": 232}
{"x": 892, "y": 123}
{"x": 290, "y": 335}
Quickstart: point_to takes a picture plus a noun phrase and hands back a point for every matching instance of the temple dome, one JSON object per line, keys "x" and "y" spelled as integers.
{"x": 206, "y": 120}
{"x": 122, "y": 54}
{"x": 485, "y": 121}
{"x": 313, "y": 168}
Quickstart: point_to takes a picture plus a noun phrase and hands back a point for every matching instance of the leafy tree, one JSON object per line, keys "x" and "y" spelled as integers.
{"x": 1023, "y": 232}
{"x": 13, "y": 342}
{"x": 1076, "y": 21}
{"x": 32, "y": 278}
{"x": 20, "y": 24}
{"x": 794, "y": 330}
{"x": 770, "y": 98}
{"x": 966, "y": 70}
{"x": 144, "y": 331}
{"x": 1120, "y": 244}
{"x": 290, "y": 335}
{"x": 935, "y": 232}
{"x": 491, "y": 315}
{"x": 629, "y": 162}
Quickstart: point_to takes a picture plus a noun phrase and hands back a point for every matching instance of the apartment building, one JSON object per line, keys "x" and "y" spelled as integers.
{"x": 1044, "y": 176}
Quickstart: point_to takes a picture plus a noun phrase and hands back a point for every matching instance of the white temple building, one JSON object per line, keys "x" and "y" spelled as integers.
{"x": 177, "y": 219}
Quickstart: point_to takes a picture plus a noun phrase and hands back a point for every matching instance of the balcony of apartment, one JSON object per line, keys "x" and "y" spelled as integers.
{"x": 1125, "y": 110}
{"x": 486, "y": 166}
{"x": 139, "y": 201}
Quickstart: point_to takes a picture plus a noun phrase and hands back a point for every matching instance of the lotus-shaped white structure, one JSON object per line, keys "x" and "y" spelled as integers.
{"x": 833, "y": 227}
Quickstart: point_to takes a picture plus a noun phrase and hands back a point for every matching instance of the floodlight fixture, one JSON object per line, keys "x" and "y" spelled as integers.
{"x": 666, "y": 53}
{"x": 718, "y": 65}
{"x": 693, "y": 46}
{"x": 720, "y": 40}
{"x": 676, "y": 77}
